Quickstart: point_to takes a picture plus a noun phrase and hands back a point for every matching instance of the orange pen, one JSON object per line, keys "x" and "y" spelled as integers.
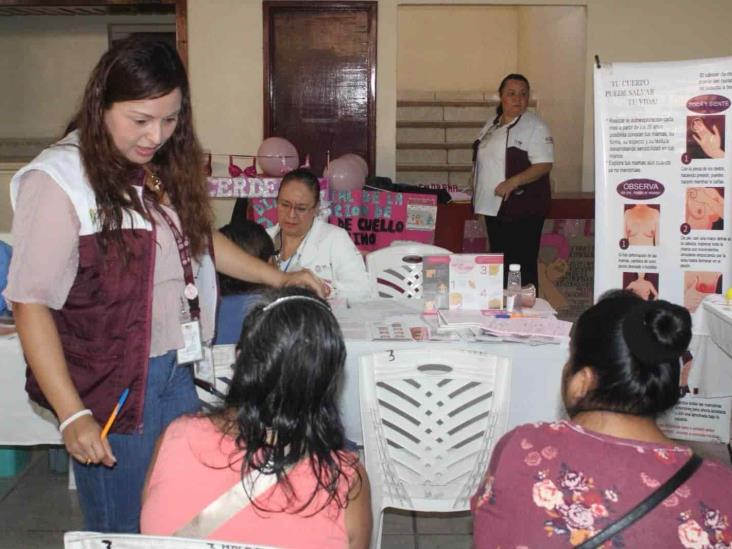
{"x": 113, "y": 415}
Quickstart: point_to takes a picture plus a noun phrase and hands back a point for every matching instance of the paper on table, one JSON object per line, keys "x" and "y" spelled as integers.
{"x": 401, "y": 328}
{"x": 527, "y": 327}
{"x": 464, "y": 318}
{"x": 377, "y": 310}
{"x": 355, "y": 329}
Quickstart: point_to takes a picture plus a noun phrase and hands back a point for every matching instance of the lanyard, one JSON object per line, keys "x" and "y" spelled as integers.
{"x": 184, "y": 251}
{"x": 287, "y": 266}
{"x": 298, "y": 251}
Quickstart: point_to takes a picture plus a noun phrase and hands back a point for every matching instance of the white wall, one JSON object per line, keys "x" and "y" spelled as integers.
{"x": 551, "y": 54}
{"x": 225, "y": 60}
{"x": 45, "y": 62}
{"x": 455, "y": 48}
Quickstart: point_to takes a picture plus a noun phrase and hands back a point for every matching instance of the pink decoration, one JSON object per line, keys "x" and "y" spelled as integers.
{"x": 344, "y": 175}
{"x": 359, "y": 160}
{"x": 251, "y": 170}
{"x": 234, "y": 170}
{"x": 277, "y": 156}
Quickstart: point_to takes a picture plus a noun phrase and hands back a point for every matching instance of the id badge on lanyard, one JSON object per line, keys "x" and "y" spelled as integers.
{"x": 192, "y": 350}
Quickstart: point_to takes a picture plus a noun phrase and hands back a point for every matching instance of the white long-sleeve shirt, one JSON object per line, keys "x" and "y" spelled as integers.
{"x": 330, "y": 254}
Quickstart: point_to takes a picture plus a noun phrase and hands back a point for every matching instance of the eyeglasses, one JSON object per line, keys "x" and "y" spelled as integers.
{"x": 299, "y": 209}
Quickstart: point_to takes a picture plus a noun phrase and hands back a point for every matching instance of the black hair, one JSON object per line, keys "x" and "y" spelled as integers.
{"x": 513, "y": 76}
{"x": 253, "y": 239}
{"x": 633, "y": 347}
{"x": 305, "y": 176}
{"x": 282, "y": 404}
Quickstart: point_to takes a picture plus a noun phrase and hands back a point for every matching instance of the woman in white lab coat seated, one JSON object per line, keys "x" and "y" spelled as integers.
{"x": 303, "y": 241}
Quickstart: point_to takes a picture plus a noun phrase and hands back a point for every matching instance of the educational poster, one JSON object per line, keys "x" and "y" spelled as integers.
{"x": 374, "y": 219}
{"x": 662, "y": 179}
{"x": 566, "y": 258}
{"x": 697, "y": 418}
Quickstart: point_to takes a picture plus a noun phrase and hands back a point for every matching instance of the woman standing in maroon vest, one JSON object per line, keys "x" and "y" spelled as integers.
{"x": 514, "y": 154}
{"x": 113, "y": 283}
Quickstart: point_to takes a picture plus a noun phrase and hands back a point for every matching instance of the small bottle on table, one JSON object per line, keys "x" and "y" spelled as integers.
{"x": 513, "y": 288}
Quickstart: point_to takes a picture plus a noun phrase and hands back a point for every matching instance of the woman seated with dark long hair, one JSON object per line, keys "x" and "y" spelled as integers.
{"x": 561, "y": 484}
{"x": 271, "y": 467}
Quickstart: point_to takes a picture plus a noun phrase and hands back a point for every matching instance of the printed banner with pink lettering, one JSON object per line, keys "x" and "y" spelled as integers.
{"x": 374, "y": 219}
{"x": 238, "y": 187}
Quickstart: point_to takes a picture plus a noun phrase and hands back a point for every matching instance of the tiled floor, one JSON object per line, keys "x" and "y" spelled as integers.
{"x": 36, "y": 508}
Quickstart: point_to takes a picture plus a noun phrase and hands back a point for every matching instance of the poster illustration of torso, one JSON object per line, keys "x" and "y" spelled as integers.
{"x": 662, "y": 179}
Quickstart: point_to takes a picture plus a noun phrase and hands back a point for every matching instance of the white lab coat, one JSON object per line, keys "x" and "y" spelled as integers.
{"x": 328, "y": 251}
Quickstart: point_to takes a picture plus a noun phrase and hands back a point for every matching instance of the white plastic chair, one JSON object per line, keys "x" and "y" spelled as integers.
{"x": 396, "y": 271}
{"x": 95, "y": 540}
{"x": 430, "y": 422}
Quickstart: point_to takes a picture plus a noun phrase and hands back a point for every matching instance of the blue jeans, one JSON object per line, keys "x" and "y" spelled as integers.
{"x": 110, "y": 497}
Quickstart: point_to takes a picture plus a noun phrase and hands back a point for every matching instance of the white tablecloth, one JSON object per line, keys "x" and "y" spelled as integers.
{"x": 535, "y": 377}
{"x": 535, "y": 382}
{"x": 22, "y": 423}
{"x": 711, "y": 346}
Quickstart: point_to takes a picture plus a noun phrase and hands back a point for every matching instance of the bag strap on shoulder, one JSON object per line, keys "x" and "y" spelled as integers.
{"x": 637, "y": 512}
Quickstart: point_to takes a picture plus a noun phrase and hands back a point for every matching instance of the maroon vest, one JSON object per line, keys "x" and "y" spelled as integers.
{"x": 536, "y": 196}
{"x": 105, "y": 327}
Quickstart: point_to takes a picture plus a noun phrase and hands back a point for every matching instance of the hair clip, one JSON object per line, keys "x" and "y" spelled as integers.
{"x": 287, "y": 298}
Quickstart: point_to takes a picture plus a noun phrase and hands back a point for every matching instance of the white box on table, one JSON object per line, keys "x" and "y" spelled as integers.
{"x": 476, "y": 281}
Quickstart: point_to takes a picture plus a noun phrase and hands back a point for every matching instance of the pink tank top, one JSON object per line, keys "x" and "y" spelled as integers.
{"x": 194, "y": 467}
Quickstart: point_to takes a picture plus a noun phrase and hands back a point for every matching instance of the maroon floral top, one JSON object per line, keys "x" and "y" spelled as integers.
{"x": 557, "y": 484}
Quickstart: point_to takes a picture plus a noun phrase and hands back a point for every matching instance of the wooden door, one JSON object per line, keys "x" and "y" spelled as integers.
{"x": 320, "y": 77}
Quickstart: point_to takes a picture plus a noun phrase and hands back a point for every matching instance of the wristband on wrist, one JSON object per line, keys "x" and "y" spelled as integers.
{"x": 74, "y": 417}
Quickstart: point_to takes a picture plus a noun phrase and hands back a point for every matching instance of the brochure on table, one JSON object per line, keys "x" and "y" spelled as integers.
{"x": 462, "y": 281}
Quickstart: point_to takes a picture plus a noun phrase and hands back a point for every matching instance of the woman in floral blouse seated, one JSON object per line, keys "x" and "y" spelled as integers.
{"x": 559, "y": 484}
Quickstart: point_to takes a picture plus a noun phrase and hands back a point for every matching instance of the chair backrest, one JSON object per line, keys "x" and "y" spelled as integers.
{"x": 396, "y": 271}
{"x": 430, "y": 422}
{"x": 95, "y": 540}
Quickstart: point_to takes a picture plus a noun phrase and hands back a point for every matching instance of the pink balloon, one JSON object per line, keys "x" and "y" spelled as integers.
{"x": 359, "y": 160}
{"x": 277, "y": 156}
{"x": 344, "y": 175}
